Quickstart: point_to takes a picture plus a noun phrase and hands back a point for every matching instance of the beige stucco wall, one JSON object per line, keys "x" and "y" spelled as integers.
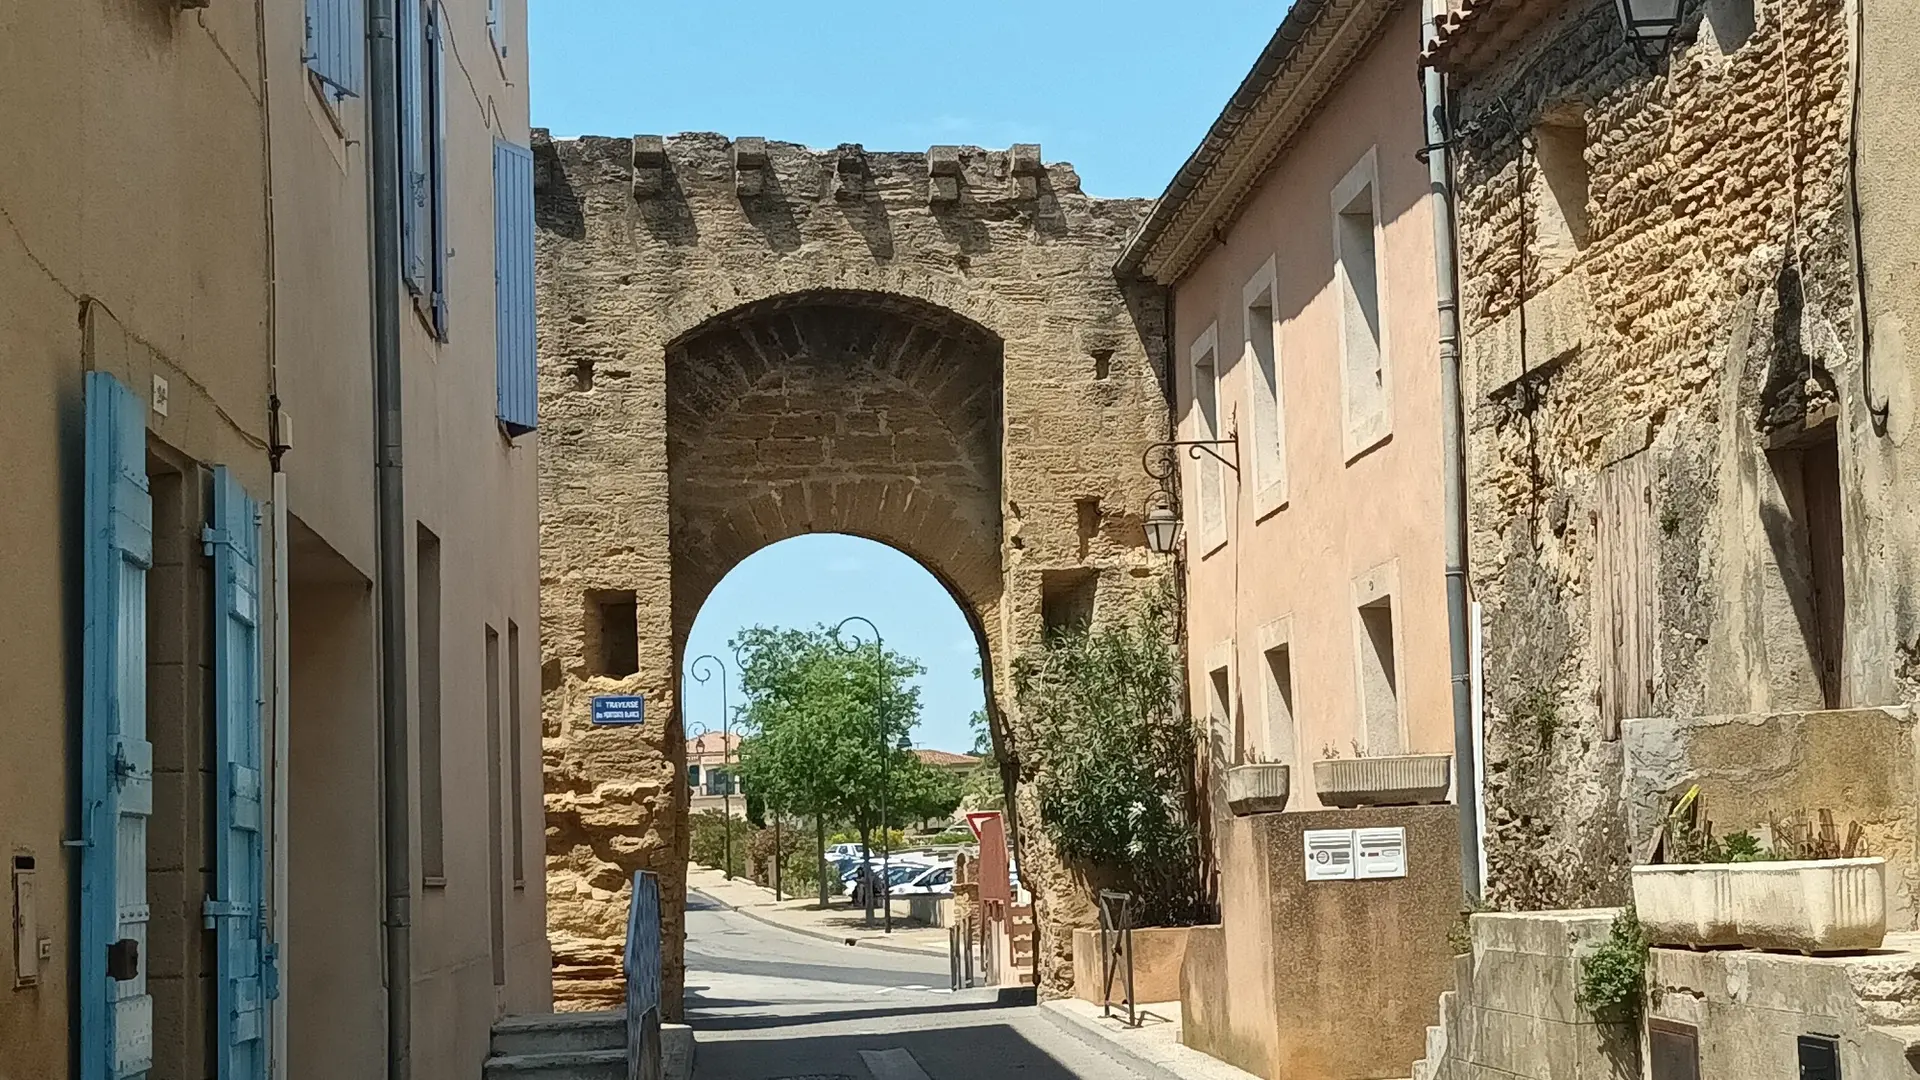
{"x": 1288, "y": 574}
{"x": 154, "y": 115}
{"x": 466, "y": 483}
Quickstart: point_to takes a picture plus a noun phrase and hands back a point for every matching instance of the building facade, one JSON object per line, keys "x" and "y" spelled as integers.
{"x": 1686, "y": 383}
{"x": 1297, "y": 245}
{"x": 713, "y": 783}
{"x": 191, "y": 796}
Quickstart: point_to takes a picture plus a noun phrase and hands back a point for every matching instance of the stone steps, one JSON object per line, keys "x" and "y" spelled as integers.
{"x": 559, "y": 1033}
{"x": 565, "y": 1065}
{"x": 579, "y": 1046}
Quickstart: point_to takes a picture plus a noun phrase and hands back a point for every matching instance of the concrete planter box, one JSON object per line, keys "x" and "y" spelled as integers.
{"x": 1404, "y": 780}
{"x": 1829, "y": 905}
{"x": 1258, "y": 789}
{"x": 1159, "y": 952}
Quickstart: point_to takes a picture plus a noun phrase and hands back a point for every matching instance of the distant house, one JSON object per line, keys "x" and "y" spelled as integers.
{"x": 712, "y": 768}
{"x": 943, "y": 759}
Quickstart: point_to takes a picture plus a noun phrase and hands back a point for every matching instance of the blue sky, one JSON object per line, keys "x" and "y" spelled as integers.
{"x": 1123, "y": 89}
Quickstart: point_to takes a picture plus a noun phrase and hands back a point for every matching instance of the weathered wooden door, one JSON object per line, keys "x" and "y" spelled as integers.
{"x": 1624, "y": 601}
{"x": 116, "y": 760}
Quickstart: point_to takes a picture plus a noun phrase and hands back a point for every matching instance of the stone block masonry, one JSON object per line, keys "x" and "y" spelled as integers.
{"x": 1679, "y": 503}
{"x": 743, "y": 341}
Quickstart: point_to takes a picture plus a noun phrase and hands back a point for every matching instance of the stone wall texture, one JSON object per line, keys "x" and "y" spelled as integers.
{"x": 1635, "y": 353}
{"x": 743, "y": 341}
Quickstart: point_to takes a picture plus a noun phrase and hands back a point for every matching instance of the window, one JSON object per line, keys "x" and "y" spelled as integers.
{"x": 1279, "y": 733}
{"x": 1210, "y": 482}
{"x": 335, "y": 49}
{"x": 1364, "y": 388}
{"x": 1560, "y": 194}
{"x": 496, "y": 833}
{"x": 514, "y": 380}
{"x": 693, "y": 776}
{"x": 423, "y": 142}
{"x": 1809, "y": 549}
{"x": 1224, "y": 730}
{"x": 1066, "y": 599}
{"x": 613, "y": 633}
{"x": 516, "y": 764}
{"x": 1269, "y": 449}
{"x": 496, "y": 32}
{"x": 1377, "y": 645}
{"x": 433, "y": 847}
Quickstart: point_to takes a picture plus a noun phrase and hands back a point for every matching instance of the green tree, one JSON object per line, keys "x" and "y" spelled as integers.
{"x": 1116, "y": 754}
{"x": 920, "y": 793}
{"x": 816, "y": 720}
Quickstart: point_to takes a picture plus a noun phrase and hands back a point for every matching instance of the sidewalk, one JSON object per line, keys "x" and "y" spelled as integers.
{"x": 839, "y": 923}
{"x": 1156, "y": 1042}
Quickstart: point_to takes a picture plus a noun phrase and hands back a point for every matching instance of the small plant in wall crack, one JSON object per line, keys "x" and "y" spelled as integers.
{"x": 1613, "y": 978}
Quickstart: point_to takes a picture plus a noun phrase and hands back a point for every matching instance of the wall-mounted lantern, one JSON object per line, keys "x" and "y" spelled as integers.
{"x": 1158, "y": 461}
{"x": 1649, "y": 22}
{"x": 1163, "y": 530}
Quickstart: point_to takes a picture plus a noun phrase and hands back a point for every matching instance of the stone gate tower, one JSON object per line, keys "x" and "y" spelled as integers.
{"x": 744, "y": 341}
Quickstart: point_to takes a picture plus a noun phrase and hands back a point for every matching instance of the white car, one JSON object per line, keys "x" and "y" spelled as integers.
{"x": 935, "y": 880}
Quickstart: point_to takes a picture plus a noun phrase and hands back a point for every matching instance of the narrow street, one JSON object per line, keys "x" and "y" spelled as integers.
{"x": 767, "y": 1004}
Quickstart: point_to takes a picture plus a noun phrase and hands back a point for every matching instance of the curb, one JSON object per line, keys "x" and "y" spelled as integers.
{"x": 822, "y": 935}
{"x": 1095, "y": 1036}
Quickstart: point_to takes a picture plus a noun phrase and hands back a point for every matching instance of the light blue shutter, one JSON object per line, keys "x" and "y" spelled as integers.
{"x": 336, "y": 43}
{"x": 413, "y": 157}
{"x": 514, "y": 384}
{"x": 496, "y": 33}
{"x": 236, "y": 909}
{"x": 437, "y": 59}
{"x": 116, "y": 760}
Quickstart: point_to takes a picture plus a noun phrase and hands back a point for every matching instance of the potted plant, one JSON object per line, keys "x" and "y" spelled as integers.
{"x": 1390, "y": 780}
{"x": 1803, "y": 890}
{"x": 1258, "y": 787}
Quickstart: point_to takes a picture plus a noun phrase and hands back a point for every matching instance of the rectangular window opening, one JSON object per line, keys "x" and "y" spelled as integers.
{"x": 433, "y": 846}
{"x": 1560, "y": 216}
{"x": 1280, "y": 725}
{"x": 1224, "y": 725}
{"x": 613, "y": 633}
{"x": 496, "y": 833}
{"x": 1363, "y": 369}
{"x": 1810, "y": 549}
{"x": 516, "y": 764}
{"x": 1206, "y": 401}
{"x": 1066, "y": 600}
{"x": 1086, "y": 513}
{"x": 1674, "y": 1049}
{"x": 1269, "y": 428}
{"x": 1379, "y": 679}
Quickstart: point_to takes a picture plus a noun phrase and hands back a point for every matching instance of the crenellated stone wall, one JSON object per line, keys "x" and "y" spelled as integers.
{"x": 743, "y": 341}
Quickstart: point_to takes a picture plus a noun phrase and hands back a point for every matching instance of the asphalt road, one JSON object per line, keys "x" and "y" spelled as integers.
{"x": 768, "y": 1004}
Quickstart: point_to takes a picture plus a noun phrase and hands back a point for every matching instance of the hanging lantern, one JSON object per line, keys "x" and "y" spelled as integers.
{"x": 1163, "y": 530}
{"x": 1651, "y": 21}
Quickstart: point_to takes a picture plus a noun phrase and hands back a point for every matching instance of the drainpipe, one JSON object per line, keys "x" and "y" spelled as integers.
{"x": 1453, "y": 452}
{"x": 382, "y": 83}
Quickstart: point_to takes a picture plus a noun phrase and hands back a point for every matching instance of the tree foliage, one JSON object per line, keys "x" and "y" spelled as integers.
{"x": 817, "y": 718}
{"x": 1116, "y": 754}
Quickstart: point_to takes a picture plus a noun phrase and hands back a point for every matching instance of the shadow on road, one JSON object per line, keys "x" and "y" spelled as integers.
{"x": 701, "y": 1021}
{"x": 954, "y": 1053}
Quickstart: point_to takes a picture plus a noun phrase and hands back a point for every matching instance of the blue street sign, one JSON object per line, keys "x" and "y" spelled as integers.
{"x": 620, "y": 709}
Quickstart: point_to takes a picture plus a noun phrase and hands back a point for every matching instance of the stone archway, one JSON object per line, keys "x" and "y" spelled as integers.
{"x": 743, "y": 341}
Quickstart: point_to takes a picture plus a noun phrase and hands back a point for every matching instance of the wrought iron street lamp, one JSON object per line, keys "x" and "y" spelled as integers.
{"x": 1158, "y": 461}
{"x": 703, "y": 669}
{"x": 1648, "y": 21}
{"x": 886, "y": 752}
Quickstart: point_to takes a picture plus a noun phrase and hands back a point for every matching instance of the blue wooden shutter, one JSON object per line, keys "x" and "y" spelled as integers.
{"x": 496, "y": 33}
{"x": 514, "y": 384}
{"x": 414, "y": 222}
{"x": 116, "y": 760}
{"x": 437, "y": 151}
{"x": 336, "y": 43}
{"x": 236, "y": 909}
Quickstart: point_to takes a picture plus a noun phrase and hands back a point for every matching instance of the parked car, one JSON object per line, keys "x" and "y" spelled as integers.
{"x": 935, "y": 880}
{"x": 897, "y": 873}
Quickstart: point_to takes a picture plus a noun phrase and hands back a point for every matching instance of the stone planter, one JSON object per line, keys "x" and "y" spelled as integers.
{"x": 1828, "y": 905}
{"x": 1403, "y": 780}
{"x": 1158, "y": 954}
{"x": 1258, "y": 789}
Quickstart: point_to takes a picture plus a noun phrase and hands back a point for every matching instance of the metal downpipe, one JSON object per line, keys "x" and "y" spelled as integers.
{"x": 384, "y": 165}
{"x": 1453, "y": 453}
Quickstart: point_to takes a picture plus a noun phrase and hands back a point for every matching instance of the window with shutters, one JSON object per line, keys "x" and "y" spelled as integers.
{"x": 1365, "y": 380}
{"x": 335, "y": 49}
{"x": 1268, "y": 452}
{"x": 513, "y": 287}
{"x": 423, "y": 141}
{"x": 1203, "y": 361}
{"x": 496, "y": 32}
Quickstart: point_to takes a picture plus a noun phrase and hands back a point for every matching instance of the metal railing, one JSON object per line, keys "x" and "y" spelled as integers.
{"x": 1116, "y": 950}
{"x": 640, "y": 963}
